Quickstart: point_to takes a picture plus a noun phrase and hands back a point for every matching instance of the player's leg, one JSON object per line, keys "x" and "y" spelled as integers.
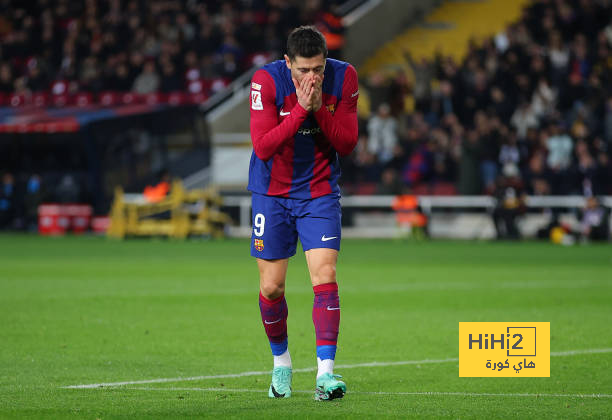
{"x": 273, "y": 242}
{"x": 274, "y": 312}
{"x": 273, "y": 307}
{"x": 326, "y": 319}
{"x": 319, "y": 231}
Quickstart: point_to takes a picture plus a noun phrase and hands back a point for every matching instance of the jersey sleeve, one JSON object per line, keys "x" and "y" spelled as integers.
{"x": 340, "y": 128}
{"x": 267, "y": 134}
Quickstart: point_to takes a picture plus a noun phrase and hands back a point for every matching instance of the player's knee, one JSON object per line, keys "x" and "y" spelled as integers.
{"x": 326, "y": 274}
{"x": 272, "y": 290}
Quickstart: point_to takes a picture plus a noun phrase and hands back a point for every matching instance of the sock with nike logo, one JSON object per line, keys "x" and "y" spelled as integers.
{"x": 274, "y": 317}
{"x": 326, "y": 319}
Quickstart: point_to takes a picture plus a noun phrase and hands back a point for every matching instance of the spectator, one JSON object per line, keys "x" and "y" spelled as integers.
{"x": 489, "y": 140}
{"x": 543, "y": 100}
{"x": 7, "y": 201}
{"x": 560, "y": 147}
{"x": 119, "y": 79}
{"x": 382, "y": 134}
{"x": 6, "y": 78}
{"x": 378, "y": 89}
{"x": 148, "y": 80}
{"x": 509, "y": 152}
{"x": 423, "y": 75}
{"x": 537, "y": 176}
{"x": 608, "y": 123}
{"x": 33, "y": 197}
{"x": 587, "y": 168}
{"x": 524, "y": 118}
{"x": 595, "y": 224}
{"x": 68, "y": 190}
{"x": 558, "y": 55}
{"x": 390, "y": 183}
{"x": 170, "y": 80}
{"x": 469, "y": 175}
{"x": 510, "y": 203}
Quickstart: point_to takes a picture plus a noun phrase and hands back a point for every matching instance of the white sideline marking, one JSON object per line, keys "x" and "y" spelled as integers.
{"x": 310, "y": 369}
{"x": 431, "y": 393}
{"x": 257, "y": 373}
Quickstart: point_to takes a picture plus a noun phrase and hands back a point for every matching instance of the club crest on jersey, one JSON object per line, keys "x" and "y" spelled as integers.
{"x": 331, "y": 108}
{"x": 258, "y": 243}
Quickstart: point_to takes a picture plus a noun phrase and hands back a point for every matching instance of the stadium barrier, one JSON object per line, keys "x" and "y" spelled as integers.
{"x": 180, "y": 214}
{"x": 456, "y": 217}
{"x": 58, "y": 219}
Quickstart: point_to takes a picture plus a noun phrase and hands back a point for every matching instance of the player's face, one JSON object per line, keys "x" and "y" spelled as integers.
{"x": 302, "y": 66}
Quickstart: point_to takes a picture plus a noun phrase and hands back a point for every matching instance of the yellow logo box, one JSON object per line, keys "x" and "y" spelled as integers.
{"x": 504, "y": 349}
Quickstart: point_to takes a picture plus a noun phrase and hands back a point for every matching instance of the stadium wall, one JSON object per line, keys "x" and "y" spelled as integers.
{"x": 379, "y": 21}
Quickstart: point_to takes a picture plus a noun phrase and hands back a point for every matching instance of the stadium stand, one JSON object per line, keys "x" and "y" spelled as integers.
{"x": 453, "y": 107}
{"x": 475, "y": 97}
{"x": 94, "y": 91}
{"x": 58, "y": 53}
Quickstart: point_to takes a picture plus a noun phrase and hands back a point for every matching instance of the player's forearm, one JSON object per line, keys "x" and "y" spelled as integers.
{"x": 268, "y": 137}
{"x": 340, "y": 129}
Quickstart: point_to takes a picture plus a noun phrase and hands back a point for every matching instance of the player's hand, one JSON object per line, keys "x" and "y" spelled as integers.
{"x": 304, "y": 92}
{"x": 317, "y": 98}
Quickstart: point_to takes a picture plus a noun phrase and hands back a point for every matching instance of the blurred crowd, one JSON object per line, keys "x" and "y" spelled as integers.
{"x": 530, "y": 108}
{"x": 142, "y": 46}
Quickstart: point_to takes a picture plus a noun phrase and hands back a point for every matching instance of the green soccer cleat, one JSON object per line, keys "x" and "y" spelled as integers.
{"x": 329, "y": 388}
{"x": 281, "y": 382}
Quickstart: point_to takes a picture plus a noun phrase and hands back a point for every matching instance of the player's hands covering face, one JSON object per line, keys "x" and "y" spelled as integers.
{"x": 308, "y": 92}
{"x": 317, "y": 95}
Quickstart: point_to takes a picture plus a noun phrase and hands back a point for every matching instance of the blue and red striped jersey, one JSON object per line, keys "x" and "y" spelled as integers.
{"x": 295, "y": 152}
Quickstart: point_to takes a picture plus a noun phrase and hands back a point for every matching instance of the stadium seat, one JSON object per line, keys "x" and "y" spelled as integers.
{"x": 60, "y": 100}
{"x": 198, "y": 98}
{"x": 177, "y": 98}
{"x": 154, "y": 98}
{"x": 131, "y": 98}
{"x": 366, "y": 188}
{"x": 40, "y": 99}
{"x": 17, "y": 100}
{"x": 219, "y": 84}
{"x": 83, "y": 99}
{"x": 108, "y": 98}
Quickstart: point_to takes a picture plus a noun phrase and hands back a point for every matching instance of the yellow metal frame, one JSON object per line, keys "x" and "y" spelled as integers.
{"x": 178, "y": 215}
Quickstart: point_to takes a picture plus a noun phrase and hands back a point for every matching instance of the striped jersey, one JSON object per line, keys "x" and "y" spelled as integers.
{"x": 295, "y": 152}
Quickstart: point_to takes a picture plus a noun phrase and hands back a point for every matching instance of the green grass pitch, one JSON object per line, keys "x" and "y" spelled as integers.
{"x": 87, "y": 310}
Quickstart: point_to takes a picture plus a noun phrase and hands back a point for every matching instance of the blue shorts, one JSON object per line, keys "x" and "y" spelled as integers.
{"x": 278, "y": 222}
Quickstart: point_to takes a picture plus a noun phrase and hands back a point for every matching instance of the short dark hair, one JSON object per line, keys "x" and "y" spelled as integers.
{"x": 306, "y": 41}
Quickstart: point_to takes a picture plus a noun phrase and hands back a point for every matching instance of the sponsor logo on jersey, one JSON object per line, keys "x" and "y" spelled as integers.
{"x": 309, "y": 131}
{"x": 259, "y": 244}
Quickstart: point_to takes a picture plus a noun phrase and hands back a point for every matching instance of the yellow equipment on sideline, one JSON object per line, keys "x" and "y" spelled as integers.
{"x": 180, "y": 214}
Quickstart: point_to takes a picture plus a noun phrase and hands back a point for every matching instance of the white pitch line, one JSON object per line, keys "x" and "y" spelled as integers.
{"x": 574, "y": 352}
{"x": 421, "y": 393}
{"x": 310, "y": 369}
{"x": 253, "y": 373}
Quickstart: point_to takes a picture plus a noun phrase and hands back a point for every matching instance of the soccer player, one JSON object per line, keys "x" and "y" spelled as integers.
{"x": 303, "y": 114}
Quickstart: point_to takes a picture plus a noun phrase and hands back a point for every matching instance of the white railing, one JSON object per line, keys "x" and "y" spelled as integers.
{"x": 429, "y": 204}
